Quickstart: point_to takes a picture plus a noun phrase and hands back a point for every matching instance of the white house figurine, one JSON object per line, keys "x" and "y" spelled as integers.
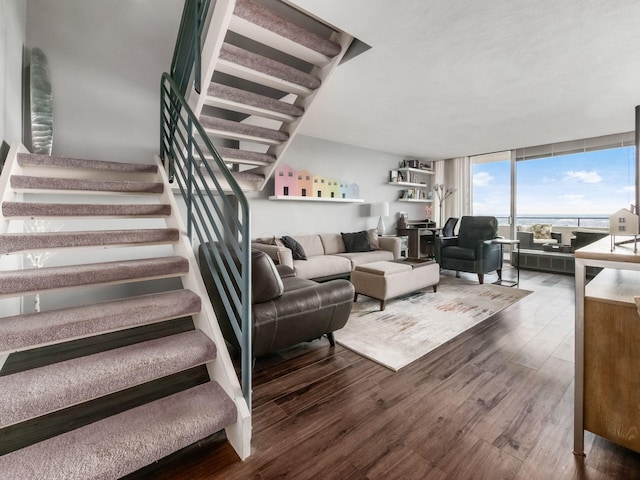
{"x": 624, "y": 223}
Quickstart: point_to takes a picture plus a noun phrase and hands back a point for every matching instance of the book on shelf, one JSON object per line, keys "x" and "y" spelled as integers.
{"x": 393, "y": 176}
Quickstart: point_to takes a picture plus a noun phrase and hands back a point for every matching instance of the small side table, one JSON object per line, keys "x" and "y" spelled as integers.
{"x": 514, "y": 243}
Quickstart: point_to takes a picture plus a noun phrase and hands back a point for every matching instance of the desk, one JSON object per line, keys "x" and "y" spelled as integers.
{"x": 415, "y": 234}
{"x": 607, "y": 331}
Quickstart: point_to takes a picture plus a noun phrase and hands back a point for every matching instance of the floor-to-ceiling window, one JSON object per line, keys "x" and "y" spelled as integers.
{"x": 568, "y": 184}
{"x": 578, "y": 189}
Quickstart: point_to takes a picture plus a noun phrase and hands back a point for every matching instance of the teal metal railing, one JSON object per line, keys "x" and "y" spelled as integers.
{"x": 216, "y": 215}
{"x": 186, "y": 54}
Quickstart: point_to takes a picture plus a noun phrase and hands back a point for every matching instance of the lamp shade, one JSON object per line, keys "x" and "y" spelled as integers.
{"x": 380, "y": 209}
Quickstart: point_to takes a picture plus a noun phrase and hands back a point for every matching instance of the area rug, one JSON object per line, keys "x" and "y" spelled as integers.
{"x": 413, "y": 325}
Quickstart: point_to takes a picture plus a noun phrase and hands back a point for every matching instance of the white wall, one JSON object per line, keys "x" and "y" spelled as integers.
{"x": 368, "y": 168}
{"x": 106, "y": 58}
{"x": 13, "y": 14}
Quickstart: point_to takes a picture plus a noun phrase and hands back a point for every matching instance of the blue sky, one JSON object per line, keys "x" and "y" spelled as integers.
{"x": 599, "y": 182}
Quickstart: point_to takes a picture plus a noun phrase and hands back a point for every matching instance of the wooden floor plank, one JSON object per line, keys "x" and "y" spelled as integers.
{"x": 495, "y": 402}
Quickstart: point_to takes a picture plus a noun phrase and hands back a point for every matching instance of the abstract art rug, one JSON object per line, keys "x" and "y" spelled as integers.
{"x": 415, "y": 324}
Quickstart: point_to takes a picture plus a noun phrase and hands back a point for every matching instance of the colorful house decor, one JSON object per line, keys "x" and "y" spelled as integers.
{"x": 291, "y": 183}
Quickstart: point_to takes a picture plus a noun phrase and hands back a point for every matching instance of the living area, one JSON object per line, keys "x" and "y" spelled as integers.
{"x": 492, "y": 395}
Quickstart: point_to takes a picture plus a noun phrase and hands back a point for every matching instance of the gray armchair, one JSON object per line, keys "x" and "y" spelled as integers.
{"x": 472, "y": 250}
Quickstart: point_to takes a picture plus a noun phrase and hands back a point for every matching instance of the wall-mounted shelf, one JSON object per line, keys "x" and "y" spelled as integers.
{"x": 315, "y": 199}
{"x": 417, "y": 170}
{"x": 416, "y": 181}
{"x": 409, "y": 184}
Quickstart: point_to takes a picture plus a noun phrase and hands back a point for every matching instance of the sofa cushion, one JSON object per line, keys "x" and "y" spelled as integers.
{"x": 541, "y": 231}
{"x": 322, "y": 266}
{"x": 384, "y": 268}
{"x": 360, "y": 258}
{"x": 311, "y": 243}
{"x": 374, "y": 241}
{"x": 332, "y": 243}
{"x": 296, "y": 249}
{"x": 356, "y": 241}
{"x": 266, "y": 283}
{"x": 270, "y": 241}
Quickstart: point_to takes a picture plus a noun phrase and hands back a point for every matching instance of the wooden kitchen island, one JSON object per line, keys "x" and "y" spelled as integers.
{"x": 607, "y": 351}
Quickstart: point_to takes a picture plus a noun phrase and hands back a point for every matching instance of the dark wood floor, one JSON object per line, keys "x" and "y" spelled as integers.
{"x": 494, "y": 403}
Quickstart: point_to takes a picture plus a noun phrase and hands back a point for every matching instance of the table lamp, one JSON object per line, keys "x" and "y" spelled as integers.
{"x": 380, "y": 210}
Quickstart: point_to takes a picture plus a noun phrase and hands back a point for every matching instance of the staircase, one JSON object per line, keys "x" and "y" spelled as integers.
{"x": 125, "y": 363}
{"x": 264, "y": 63}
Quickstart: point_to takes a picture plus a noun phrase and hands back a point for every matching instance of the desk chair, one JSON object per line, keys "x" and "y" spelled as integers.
{"x": 449, "y": 227}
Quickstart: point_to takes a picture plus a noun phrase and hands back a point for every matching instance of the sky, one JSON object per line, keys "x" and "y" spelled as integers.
{"x": 589, "y": 183}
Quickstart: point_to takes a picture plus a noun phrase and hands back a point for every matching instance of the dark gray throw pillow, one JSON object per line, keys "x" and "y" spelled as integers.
{"x": 356, "y": 242}
{"x": 296, "y": 248}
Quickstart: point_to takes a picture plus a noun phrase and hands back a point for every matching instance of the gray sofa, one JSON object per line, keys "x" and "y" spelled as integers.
{"x": 326, "y": 254}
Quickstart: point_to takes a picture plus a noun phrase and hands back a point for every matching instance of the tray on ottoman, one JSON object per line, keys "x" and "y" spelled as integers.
{"x": 388, "y": 279}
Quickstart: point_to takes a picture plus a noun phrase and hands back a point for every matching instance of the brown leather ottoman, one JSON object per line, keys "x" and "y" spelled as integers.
{"x": 385, "y": 280}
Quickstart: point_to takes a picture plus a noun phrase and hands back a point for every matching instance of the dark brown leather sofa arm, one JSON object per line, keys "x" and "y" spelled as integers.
{"x": 286, "y": 310}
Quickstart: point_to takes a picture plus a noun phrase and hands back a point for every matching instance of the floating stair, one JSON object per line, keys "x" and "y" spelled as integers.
{"x": 20, "y": 242}
{"x": 70, "y": 384}
{"x": 49, "y": 210}
{"x": 44, "y": 328}
{"x": 124, "y": 443}
{"x": 23, "y": 182}
{"x": 264, "y": 72}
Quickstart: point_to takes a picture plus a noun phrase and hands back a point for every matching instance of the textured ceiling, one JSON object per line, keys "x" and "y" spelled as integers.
{"x": 447, "y": 78}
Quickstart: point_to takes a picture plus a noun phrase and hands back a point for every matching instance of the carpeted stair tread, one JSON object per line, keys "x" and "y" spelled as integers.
{"x": 31, "y": 209}
{"x": 124, "y": 443}
{"x": 18, "y": 242}
{"x": 244, "y": 97}
{"x": 54, "y": 326}
{"x": 269, "y": 20}
{"x": 266, "y": 66}
{"x": 75, "y": 184}
{"x": 43, "y": 390}
{"x": 34, "y": 159}
{"x": 35, "y": 279}
{"x": 229, "y": 126}
{"x": 235, "y": 155}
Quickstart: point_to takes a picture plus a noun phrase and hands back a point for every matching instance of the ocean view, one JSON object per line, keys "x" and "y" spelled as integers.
{"x": 560, "y": 220}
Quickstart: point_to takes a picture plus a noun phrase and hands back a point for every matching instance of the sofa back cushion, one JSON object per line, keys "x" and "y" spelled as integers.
{"x": 311, "y": 244}
{"x": 332, "y": 243}
{"x": 266, "y": 283}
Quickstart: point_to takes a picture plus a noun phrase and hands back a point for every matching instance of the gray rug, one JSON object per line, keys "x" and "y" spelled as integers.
{"x": 413, "y": 325}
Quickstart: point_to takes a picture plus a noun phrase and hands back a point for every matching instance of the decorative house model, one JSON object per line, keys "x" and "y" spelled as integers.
{"x": 624, "y": 223}
{"x": 289, "y": 182}
{"x": 285, "y": 181}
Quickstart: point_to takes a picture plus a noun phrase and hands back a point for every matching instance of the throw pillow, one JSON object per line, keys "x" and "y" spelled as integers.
{"x": 541, "y": 231}
{"x": 295, "y": 247}
{"x": 374, "y": 243}
{"x": 356, "y": 242}
{"x": 270, "y": 241}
